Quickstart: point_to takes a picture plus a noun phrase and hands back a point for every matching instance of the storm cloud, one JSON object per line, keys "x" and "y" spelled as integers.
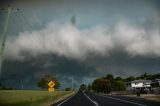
{"x": 69, "y": 41}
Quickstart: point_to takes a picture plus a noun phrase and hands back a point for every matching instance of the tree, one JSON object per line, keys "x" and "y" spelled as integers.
{"x": 109, "y": 77}
{"x": 105, "y": 86}
{"x": 68, "y": 89}
{"x": 129, "y": 79}
{"x": 89, "y": 87}
{"x": 118, "y": 86}
{"x": 83, "y": 87}
{"x": 101, "y": 85}
{"x": 144, "y": 76}
{"x": 156, "y": 76}
{"x": 118, "y": 79}
{"x": 43, "y": 82}
{"x": 95, "y": 84}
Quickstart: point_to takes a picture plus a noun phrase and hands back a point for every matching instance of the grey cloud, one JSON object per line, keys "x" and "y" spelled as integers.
{"x": 63, "y": 40}
{"x": 71, "y": 42}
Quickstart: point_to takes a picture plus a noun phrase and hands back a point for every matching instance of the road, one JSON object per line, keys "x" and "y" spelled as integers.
{"x": 92, "y": 99}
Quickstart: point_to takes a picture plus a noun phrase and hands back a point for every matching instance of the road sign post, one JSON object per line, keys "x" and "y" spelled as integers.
{"x": 51, "y": 85}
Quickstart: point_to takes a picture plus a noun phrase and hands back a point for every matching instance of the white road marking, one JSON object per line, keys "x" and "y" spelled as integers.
{"x": 65, "y": 100}
{"x": 122, "y": 100}
{"x": 91, "y": 99}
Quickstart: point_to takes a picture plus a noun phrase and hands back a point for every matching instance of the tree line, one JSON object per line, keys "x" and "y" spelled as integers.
{"x": 110, "y": 83}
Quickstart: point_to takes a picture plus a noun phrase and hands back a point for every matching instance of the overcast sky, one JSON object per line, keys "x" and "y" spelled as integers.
{"x": 121, "y": 37}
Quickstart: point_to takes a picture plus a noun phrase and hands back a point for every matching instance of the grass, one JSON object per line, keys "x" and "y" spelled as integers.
{"x": 29, "y": 97}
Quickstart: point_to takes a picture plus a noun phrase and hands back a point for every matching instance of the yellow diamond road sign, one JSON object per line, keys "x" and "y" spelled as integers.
{"x": 51, "y": 89}
{"x": 51, "y": 84}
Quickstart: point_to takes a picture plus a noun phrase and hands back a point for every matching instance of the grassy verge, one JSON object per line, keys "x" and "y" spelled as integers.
{"x": 153, "y": 98}
{"x": 29, "y": 97}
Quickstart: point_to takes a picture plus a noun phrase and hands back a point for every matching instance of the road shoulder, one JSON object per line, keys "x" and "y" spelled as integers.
{"x": 150, "y": 97}
{"x": 64, "y": 98}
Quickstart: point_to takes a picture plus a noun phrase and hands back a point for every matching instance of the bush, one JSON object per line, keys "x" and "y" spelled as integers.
{"x": 68, "y": 89}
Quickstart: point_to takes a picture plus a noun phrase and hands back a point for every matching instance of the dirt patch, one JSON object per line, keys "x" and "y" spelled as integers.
{"x": 153, "y": 98}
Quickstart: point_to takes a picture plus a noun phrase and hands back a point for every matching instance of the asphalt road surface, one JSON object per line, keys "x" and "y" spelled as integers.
{"x": 92, "y": 99}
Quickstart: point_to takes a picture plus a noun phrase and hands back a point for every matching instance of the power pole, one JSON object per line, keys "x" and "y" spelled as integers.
{"x": 4, "y": 36}
{"x": 72, "y": 83}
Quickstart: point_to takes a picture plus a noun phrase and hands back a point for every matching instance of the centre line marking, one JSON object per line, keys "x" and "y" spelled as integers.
{"x": 91, "y": 99}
